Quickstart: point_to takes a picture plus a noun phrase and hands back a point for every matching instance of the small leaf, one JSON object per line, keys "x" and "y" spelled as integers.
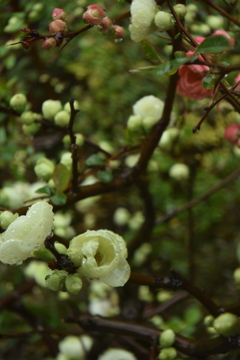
{"x": 143, "y": 68}
{"x": 59, "y": 199}
{"x": 150, "y": 52}
{"x": 179, "y": 54}
{"x": 94, "y": 160}
{"x": 213, "y": 45}
{"x": 209, "y": 82}
{"x": 170, "y": 67}
{"x": 44, "y": 190}
{"x": 163, "y": 68}
{"x": 106, "y": 176}
{"x": 176, "y": 36}
{"x": 61, "y": 177}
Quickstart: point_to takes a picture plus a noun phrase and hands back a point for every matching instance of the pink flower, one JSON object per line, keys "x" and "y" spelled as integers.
{"x": 236, "y": 80}
{"x": 232, "y": 134}
{"x": 59, "y": 14}
{"x": 224, "y": 33}
{"x": 190, "y": 82}
{"x": 94, "y": 14}
{"x": 199, "y": 39}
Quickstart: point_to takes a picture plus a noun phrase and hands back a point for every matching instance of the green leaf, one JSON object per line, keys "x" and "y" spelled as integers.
{"x": 150, "y": 52}
{"x": 61, "y": 177}
{"x": 44, "y": 190}
{"x": 213, "y": 45}
{"x": 106, "y": 176}
{"x": 170, "y": 67}
{"x": 59, "y": 199}
{"x": 209, "y": 81}
{"x": 94, "y": 160}
{"x": 143, "y": 68}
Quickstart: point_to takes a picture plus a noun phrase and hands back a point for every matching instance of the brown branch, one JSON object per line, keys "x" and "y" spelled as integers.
{"x": 74, "y": 147}
{"x": 200, "y": 198}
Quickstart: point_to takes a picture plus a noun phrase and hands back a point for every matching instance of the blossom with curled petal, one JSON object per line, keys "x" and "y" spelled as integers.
{"x": 105, "y": 256}
{"x": 142, "y": 15}
{"x": 26, "y": 234}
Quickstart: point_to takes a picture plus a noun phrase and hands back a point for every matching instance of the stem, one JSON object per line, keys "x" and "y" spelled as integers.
{"x": 74, "y": 147}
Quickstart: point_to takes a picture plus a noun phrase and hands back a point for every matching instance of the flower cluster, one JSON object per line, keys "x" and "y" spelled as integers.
{"x": 146, "y": 113}
{"x": 191, "y": 76}
{"x": 96, "y": 15}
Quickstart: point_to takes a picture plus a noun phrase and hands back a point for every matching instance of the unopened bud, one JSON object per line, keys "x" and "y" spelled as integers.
{"x": 167, "y": 338}
{"x": 106, "y": 24}
{"x": 27, "y": 117}
{"x": 61, "y": 249}
{"x": 168, "y": 354}
{"x": 232, "y": 133}
{"x": 57, "y": 26}
{"x": 50, "y": 108}
{"x": 236, "y": 275}
{"x": 49, "y": 43}
{"x": 94, "y": 14}
{"x": 164, "y": 21}
{"x": 59, "y": 14}
{"x": 44, "y": 168}
{"x": 62, "y": 118}
{"x": 30, "y": 129}
{"x": 75, "y": 255}
{"x": 73, "y": 284}
{"x": 180, "y": 10}
{"x": 18, "y": 102}
{"x": 118, "y": 32}
{"x": 227, "y": 324}
{"x": 6, "y": 218}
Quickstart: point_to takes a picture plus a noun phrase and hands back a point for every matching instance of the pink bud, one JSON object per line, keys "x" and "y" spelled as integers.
{"x": 59, "y": 14}
{"x": 232, "y": 133}
{"x": 57, "y": 26}
{"x": 118, "y": 32}
{"x": 224, "y": 33}
{"x": 94, "y": 14}
{"x": 199, "y": 39}
{"x": 106, "y": 24}
{"x": 49, "y": 43}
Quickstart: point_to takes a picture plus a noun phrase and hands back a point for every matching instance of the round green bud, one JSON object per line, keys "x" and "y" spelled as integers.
{"x": 75, "y": 255}
{"x": 62, "y": 118}
{"x": 79, "y": 139}
{"x": 227, "y": 324}
{"x": 164, "y": 21}
{"x": 27, "y": 117}
{"x": 73, "y": 284}
{"x": 134, "y": 123}
{"x": 181, "y": 11}
{"x": 167, "y": 338}
{"x": 168, "y": 354}
{"x": 215, "y": 22}
{"x": 6, "y": 218}
{"x": 53, "y": 282}
{"x": 204, "y": 29}
{"x": 208, "y": 320}
{"x": 44, "y": 169}
{"x": 236, "y": 275}
{"x": 61, "y": 249}
{"x": 67, "y": 106}
{"x": 18, "y": 102}
{"x": 30, "y": 129}
{"x": 50, "y": 108}
{"x": 66, "y": 159}
{"x": 121, "y": 216}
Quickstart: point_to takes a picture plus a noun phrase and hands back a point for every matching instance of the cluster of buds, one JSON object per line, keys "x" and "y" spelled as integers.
{"x": 57, "y": 27}
{"x": 96, "y": 15}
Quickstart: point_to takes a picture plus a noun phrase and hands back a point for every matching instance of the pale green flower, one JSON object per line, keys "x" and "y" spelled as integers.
{"x": 104, "y": 257}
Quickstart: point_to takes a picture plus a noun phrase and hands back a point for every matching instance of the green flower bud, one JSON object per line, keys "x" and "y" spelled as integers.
{"x": 44, "y": 168}
{"x": 67, "y": 106}
{"x": 79, "y": 139}
{"x": 75, "y": 255}
{"x": 167, "y": 338}
{"x": 50, "y": 108}
{"x": 215, "y": 22}
{"x": 180, "y": 10}
{"x": 179, "y": 171}
{"x": 164, "y": 21}
{"x": 66, "y": 159}
{"x": 148, "y": 123}
{"x": 6, "y": 218}
{"x": 134, "y": 123}
{"x": 27, "y": 117}
{"x": 236, "y": 275}
{"x": 62, "y": 118}
{"x": 227, "y": 324}
{"x": 18, "y": 102}
{"x": 121, "y": 216}
{"x": 208, "y": 320}
{"x": 61, "y": 249}
{"x": 168, "y": 354}
{"x": 73, "y": 284}
{"x": 56, "y": 281}
{"x": 30, "y": 129}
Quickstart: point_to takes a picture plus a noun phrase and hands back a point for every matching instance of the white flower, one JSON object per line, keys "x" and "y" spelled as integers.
{"x": 142, "y": 13}
{"x": 26, "y": 234}
{"x": 149, "y": 106}
{"x": 117, "y": 354}
{"x": 104, "y": 257}
{"x": 75, "y": 347}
